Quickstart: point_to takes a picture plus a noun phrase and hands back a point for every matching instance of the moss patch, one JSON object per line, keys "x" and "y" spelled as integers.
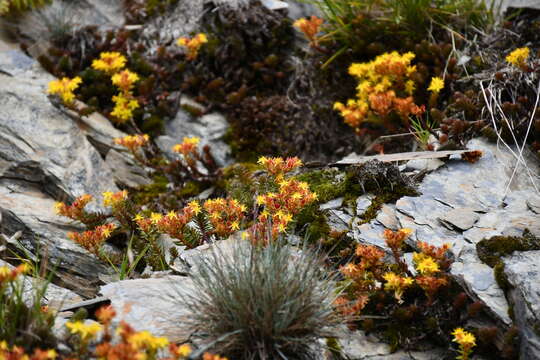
{"x": 491, "y": 250}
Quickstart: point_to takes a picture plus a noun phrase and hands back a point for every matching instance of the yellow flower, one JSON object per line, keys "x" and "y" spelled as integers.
{"x": 436, "y": 85}
{"x": 155, "y": 217}
{"x": 144, "y": 339}
{"x": 310, "y": 27}
{"x": 195, "y": 207}
{"x": 235, "y": 226}
{"x": 427, "y": 266}
{"x": 188, "y": 145}
{"x": 109, "y": 62}
{"x": 410, "y": 86}
{"x": 132, "y": 142}
{"x": 124, "y": 106}
{"x": 463, "y": 337}
{"x": 113, "y": 199}
{"x": 192, "y": 45}
{"x": 518, "y": 56}
{"x": 125, "y": 80}
{"x": 64, "y": 88}
{"x": 181, "y": 351}
{"x": 397, "y": 283}
{"x": 86, "y": 332}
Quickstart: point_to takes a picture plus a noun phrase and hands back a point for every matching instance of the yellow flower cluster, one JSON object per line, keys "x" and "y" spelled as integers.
{"x": 125, "y": 80}
{"x": 64, "y": 88}
{"x": 225, "y": 215}
{"x": 145, "y": 340}
{"x": 114, "y": 199}
{"x": 125, "y": 103}
{"x": 123, "y": 107}
{"x": 436, "y": 85}
{"x": 397, "y": 283}
{"x": 74, "y": 211}
{"x": 132, "y": 142}
{"x": 17, "y": 353}
{"x": 466, "y": 342}
{"x": 109, "y": 62}
{"x": 278, "y": 166}
{"x": 384, "y": 85}
{"x": 192, "y": 45}
{"x": 9, "y": 275}
{"x": 85, "y": 331}
{"x": 424, "y": 264}
{"x": 172, "y": 223}
{"x": 310, "y": 27}
{"x": 518, "y": 56}
{"x": 92, "y": 240}
{"x": 188, "y": 146}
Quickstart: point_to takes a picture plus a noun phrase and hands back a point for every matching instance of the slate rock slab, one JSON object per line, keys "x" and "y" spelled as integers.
{"x": 152, "y": 304}
{"x": 44, "y": 157}
{"x": 523, "y": 272}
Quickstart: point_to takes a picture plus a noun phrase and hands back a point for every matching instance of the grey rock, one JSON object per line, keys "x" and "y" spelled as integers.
{"x": 98, "y": 130}
{"x": 461, "y": 218}
{"x": 534, "y": 204}
{"x": 153, "y": 304}
{"x": 15, "y": 62}
{"x": 332, "y": 204}
{"x": 210, "y": 128}
{"x": 338, "y": 220}
{"x": 460, "y": 204}
{"x": 479, "y": 281}
{"x": 368, "y": 234}
{"x": 358, "y": 346}
{"x": 275, "y": 4}
{"x": 298, "y": 9}
{"x": 387, "y": 217}
{"x": 126, "y": 172}
{"x": 190, "y": 258}
{"x": 362, "y": 203}
{"x": 45, "y": 157}
{"x": 28, "y": 126}
{"x": 182, "y": 20}
{"x": 424, "y": 164}
{"x": 523, "y": 272}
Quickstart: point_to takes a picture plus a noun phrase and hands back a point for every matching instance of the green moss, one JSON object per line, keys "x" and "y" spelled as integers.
{"x": 145, "y": 194}
{"x": 331, "y": 184}
{"x": 313, "y": 223}
{"x": 190, "y": 189}
{"x": 237, "y": 181}
{"x": 152, "y": 125}
{"x": 500, "y": 276}
{"x": 492, "y": 249}
{"x": 384, "y": 197}
{"x": 333, "y": 346}
{"x": 238, "y": 150}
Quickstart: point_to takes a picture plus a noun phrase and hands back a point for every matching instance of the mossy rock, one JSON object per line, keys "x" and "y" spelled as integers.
{"x": 491, "y": 250}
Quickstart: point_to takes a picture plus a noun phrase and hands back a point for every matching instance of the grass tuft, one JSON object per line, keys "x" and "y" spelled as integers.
{"x": 263, "y": 302}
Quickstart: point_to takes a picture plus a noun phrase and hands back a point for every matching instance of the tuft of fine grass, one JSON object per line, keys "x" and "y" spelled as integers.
{"x": 263, "y": 302}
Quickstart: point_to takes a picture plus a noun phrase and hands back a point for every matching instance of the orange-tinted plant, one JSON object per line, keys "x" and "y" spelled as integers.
{"x": 226, "y": 215}
{"x": 76, "y": 211}
{"x": 385, "y": 85}
{"x": 192, "y": 45}
{"x": 92, "y": 240}
{"x": 310, "y": 28}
